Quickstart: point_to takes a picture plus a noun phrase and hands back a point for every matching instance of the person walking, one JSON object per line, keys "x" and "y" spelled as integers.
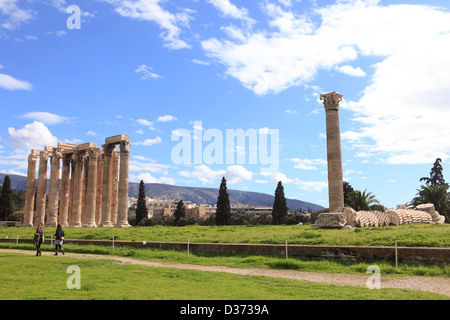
{"x": 38, "y": 239}
{"x": 59, "y": 239}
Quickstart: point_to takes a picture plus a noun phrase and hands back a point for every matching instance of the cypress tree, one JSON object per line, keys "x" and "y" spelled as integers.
{"x": 180, "y": 212}
{"x": 223, "y": 211}
{"x": 436, "y": 177}
{"x": 141, "y": 209}
{"x": 6, "y": 203}
{"x": 279, "y": 209}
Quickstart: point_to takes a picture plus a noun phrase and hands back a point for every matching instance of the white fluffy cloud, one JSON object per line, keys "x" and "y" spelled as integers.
{"x": 148, "y": 178}
{"x": 10, "y": 83}
{"x": 151, "y": 10}
{"x": 32, "y": 136}
{"x": 15, "y": 16}
{"x": 149, "y": 142}
{"x": 230, "y": 10}
{"x": 402, "y": 115}
{"x": 147, "y": 72}
{"x": 166, "y": 118}
{"x": 308, "y": 164}
{"x": 45, "y": 117}
{"x": 234, "y": 174}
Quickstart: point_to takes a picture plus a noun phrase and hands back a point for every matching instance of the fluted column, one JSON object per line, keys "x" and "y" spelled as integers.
{"x": 115, "y": 186}
{"x": 122, "y": 216}
{"x": 98, "y": 202}
{"x": 30, "y": 191}
{"x": 334, "y": 157}
{"x": 107, "y": 186}
{"x": 63, "y": 218}
{"x": 77, "y": 192}
{"x": 53, "y": 192}
{"x": 41, "y": 188}
{"x": 92, "y": 188}
{"x": 85, "y": 187}
{"x": 73, "y": 160}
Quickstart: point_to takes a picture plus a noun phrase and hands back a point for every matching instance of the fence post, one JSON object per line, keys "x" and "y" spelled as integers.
{"x": 286, "y": 250}
{"x": 113, "y": 244}
{"x": 396, "y": 256}
{"x": 17, "y": 240}
{"x": 188, "y": 248}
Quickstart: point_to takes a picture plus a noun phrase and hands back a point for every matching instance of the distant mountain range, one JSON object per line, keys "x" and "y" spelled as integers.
{"x": 194, "y": 194}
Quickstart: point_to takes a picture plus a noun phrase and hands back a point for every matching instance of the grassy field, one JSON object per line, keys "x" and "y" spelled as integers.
{"x": 245, "y": 261}
{"x": 436, "y": 235}
{"x": 27, "y": 277}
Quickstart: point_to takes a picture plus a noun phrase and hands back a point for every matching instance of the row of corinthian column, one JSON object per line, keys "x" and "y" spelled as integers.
{"x": 93, "y": 191}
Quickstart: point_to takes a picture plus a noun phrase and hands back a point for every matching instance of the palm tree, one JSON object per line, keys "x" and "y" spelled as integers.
{"x": 361, "y": 201}
{"x": 435, "y": 194}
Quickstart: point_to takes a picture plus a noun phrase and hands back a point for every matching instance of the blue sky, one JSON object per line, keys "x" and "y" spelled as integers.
{"x": 152, "y": 69}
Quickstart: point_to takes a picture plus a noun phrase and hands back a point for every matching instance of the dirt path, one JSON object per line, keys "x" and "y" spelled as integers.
{"x": 430, "y": 284}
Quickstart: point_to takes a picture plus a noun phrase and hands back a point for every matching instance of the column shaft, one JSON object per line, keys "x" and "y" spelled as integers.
{"x": 65, "y": 189}
{"x": 122, "y": 216}
{"x": 98, "y": 202}
{"x": 53, "y": 192}
{"x": 77, "y": 194}
{"x": 92, "y": 188}
{"x": 107, "y": 187}
{"x": 115, "y": 187}
{"x": 41, "y": 192}
{"x": 334, "y": 157}
{"x": 30, "y": 191}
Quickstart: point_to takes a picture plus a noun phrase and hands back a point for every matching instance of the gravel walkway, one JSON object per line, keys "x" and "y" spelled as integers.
{"x": 430, "y": 284}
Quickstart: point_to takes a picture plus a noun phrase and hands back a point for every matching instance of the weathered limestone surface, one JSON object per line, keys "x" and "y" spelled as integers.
{"x": 30, "y": 190}
{"x": 41, "y": 191}
{"x": 330, "y": 220}
{"x": 334, "y": 157}
{"x": 53, "y": 192}
{"x": 349, "y": 217}
{"x": 65, "y": 190}
{"x": 107, "y": 186}
{"x": 122, "y": 218}
{"x": 94, "y": 153}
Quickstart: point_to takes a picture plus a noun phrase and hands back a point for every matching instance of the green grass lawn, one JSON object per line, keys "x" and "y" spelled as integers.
{"x": 436, "y": 235}
{"x": 25, "y": 277}
{"x": 245, "y": 261}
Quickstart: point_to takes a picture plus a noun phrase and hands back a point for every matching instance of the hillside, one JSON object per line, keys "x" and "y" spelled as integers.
{"x": 195, "y": 194}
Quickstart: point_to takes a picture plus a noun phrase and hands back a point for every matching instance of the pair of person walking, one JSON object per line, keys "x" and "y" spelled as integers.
{"x": 39, "y": 239}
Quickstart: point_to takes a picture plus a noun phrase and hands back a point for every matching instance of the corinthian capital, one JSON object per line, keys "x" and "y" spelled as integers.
{"x": 125, "y": 146}
{"x": 331, "y": 100}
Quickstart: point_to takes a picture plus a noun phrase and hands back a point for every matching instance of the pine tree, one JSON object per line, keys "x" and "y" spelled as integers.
{"x": 6, "y": 203}
{"x": 223, "y": 211}
{"x": 141, "y": 209}
{"x": 436, "y": 177}
{"x": 279, "y": 209}
{"x": 180, "y": 212}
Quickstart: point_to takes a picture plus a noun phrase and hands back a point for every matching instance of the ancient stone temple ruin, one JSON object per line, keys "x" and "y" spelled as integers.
{"x": 94, "y": 185}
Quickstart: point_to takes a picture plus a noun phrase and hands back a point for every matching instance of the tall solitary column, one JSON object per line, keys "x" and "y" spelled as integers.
{"x": 41, "y": 191}
{"x": 107, "y": 186}
{"x": 63, "y": 218}
{"x": 334, "y": 157}
{"x": 91, "y": 190}
{"x": 122, "y": 215}
{"x": 30, "y": 191}
{"x": 77, "y": 191}
{"x": 53, "y": 192}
